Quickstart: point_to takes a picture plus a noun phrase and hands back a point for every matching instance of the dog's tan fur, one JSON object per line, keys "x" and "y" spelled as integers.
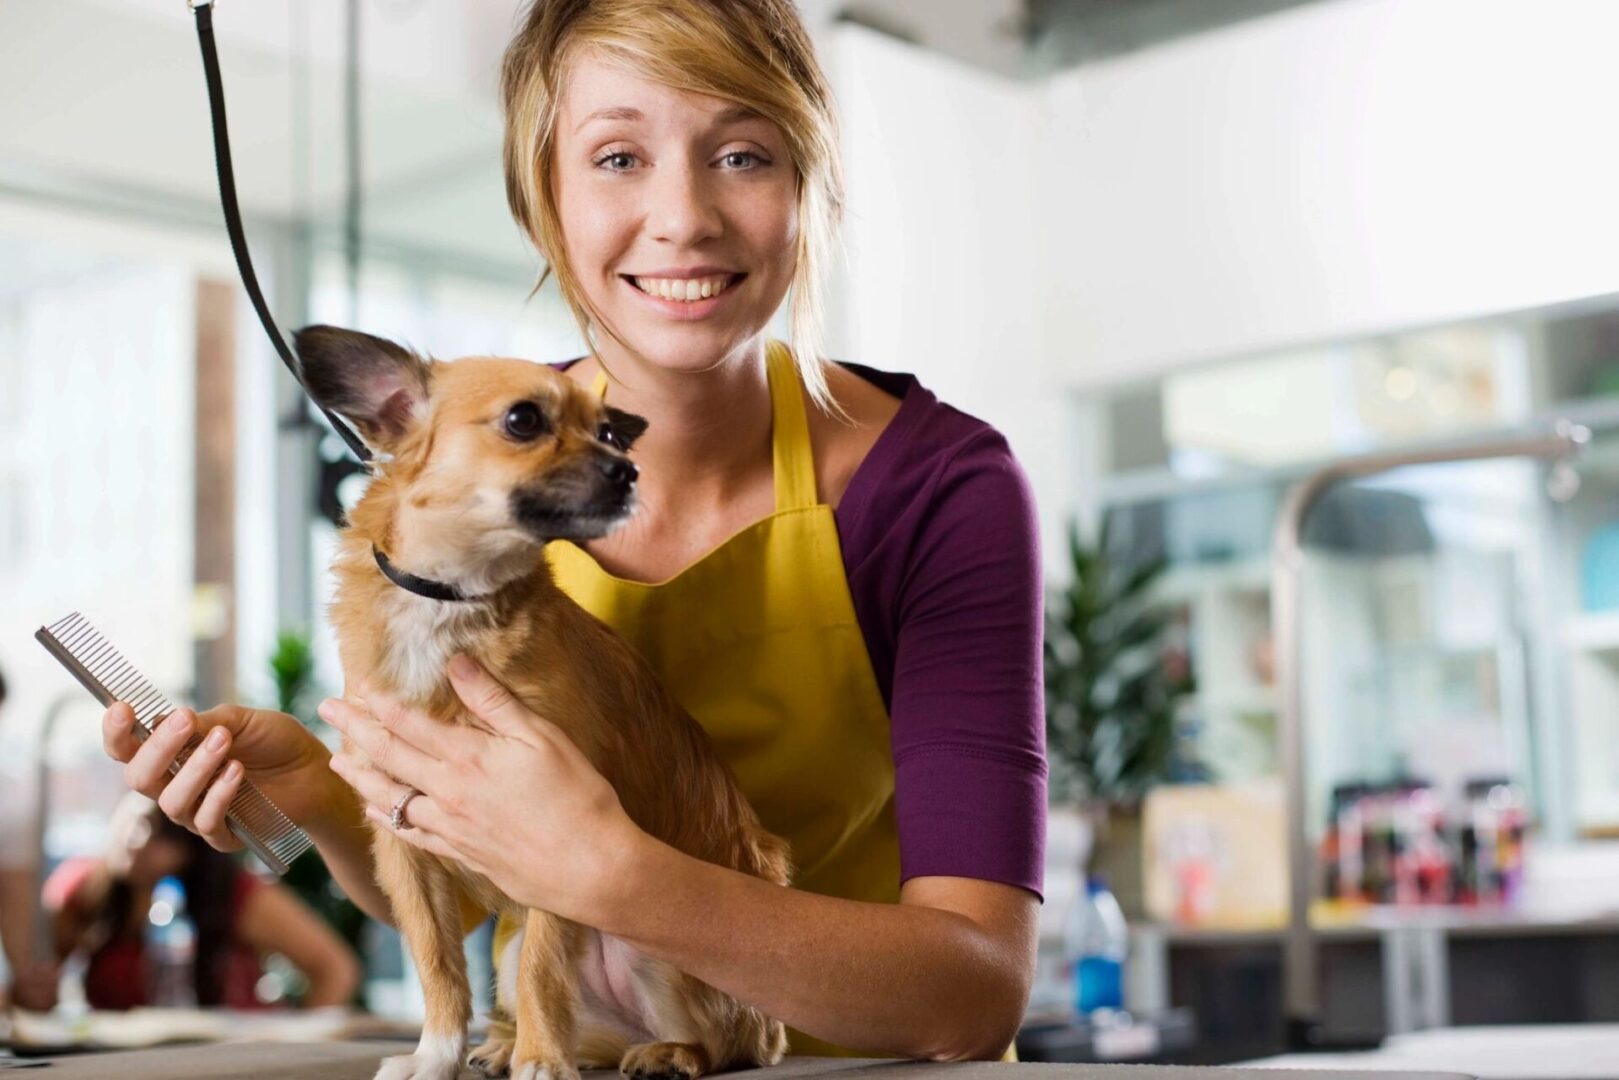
{"x": 441, "y": 509}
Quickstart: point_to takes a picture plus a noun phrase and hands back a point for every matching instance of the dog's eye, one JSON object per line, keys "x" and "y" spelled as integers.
{"x": 605, "y": 432}
{"x": 525, "y": 421}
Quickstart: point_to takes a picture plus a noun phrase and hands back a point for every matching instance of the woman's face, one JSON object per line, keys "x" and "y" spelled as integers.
{"x": 664, "y": 195}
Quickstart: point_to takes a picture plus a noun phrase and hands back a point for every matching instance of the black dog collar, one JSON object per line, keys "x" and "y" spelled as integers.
{"x": 432, "y": 590}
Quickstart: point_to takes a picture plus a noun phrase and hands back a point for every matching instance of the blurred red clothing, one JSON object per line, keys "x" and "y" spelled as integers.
{"x": 119, "y": 977}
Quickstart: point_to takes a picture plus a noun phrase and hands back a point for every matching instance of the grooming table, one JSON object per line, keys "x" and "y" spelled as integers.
{"x": 358, "y": 1061}
{"x": 1505, "y": 1052}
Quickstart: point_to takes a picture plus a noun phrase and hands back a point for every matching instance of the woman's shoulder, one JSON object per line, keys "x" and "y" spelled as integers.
{"x": 930, "y": 455}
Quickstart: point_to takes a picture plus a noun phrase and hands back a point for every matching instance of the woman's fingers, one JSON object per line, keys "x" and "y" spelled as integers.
{"x": 147, "y": 771}
{"x": 388, "y": 738}
{"x": 197, "y": 787}
{"x": 186, "y": 788}
{"x": 381, "y": 793}
{"x": 118, "y": 732}
{"x": 487, "y": 699}
{"x": 209, "y": 820}
{"x": 416, "y": 837}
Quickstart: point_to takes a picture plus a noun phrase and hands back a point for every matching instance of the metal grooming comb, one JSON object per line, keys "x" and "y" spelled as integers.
{"x": 253, "y": 818}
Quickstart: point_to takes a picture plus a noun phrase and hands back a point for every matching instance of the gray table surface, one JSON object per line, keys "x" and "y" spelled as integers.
{"x": 358, "y": 1061}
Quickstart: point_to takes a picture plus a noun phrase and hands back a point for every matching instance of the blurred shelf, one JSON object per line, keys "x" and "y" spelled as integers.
{"x": 1595, "y": 631}
{"x": 1372, "y": 922}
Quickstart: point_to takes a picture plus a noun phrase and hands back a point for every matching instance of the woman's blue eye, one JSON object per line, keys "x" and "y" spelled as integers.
{"x": 747, "y": 154}
{"x": 623, "y": 157}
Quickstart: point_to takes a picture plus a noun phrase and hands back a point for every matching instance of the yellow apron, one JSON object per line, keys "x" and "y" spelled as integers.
{"x": 758, "y": 640}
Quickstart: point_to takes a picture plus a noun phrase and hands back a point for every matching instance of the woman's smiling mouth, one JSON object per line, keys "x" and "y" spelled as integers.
{"x": 683, "y": 289}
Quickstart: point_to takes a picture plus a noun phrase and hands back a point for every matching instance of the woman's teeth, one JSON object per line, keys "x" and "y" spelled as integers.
{"x": 686, "y": 289}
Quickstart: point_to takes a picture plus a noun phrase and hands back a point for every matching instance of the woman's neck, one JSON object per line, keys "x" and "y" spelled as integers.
{"x": 708, "y": 432}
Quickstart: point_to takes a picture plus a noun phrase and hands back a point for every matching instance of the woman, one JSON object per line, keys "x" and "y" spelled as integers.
{"x": 101, "y": 906}
{"x": 835, "y": 573}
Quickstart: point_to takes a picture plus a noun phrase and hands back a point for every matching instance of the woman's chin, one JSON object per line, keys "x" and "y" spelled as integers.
{"x": 688, "y": 349}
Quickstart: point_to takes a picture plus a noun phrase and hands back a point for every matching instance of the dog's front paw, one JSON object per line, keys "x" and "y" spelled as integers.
{"x": 664, "y": 1061}
{"x": 493, "y": 1058}
{"x": 434, "y": 1059}
{"x": 544, "y": 1070}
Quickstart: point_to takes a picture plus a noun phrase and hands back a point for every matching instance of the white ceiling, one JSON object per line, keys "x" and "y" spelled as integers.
{"x": 108, "y": 96}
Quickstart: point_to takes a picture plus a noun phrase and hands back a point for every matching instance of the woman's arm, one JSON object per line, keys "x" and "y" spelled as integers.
{"x": 17, "y": 905}
{"x": 273, "y": 919}
{"x": 273, "y": 750}
{"x": 944, "y": 974}
{"x": 33, "y": 982}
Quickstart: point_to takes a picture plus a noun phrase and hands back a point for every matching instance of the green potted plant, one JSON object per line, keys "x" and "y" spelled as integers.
{"x": 292, "y": 667}
{"x": 1114, "y": 693}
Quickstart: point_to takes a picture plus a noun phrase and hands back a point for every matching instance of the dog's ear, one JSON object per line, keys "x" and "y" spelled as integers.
{"x": 627, "y": 427}
{"x": 377, "y": 385}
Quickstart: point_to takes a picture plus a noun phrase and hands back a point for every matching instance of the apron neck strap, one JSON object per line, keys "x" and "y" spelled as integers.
{"x": 793, "y": 460}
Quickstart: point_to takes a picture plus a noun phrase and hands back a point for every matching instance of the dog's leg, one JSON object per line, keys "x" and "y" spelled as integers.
{"x": 545, "y": 999}
{"x": 494, "y": 1057}
{"x": 700, "y": 1029}
{"x": 426, "y": 905}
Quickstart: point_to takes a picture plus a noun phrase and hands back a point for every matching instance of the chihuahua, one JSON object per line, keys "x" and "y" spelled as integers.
{"x": 487, "y": 461}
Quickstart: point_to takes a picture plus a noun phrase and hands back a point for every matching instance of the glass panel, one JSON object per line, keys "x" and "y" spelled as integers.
{"x": 1419, "y": 624}
{"x": 1585, "y": 590}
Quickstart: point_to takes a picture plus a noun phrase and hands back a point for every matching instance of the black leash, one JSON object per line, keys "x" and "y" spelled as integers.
{"x": 204, "y": 10}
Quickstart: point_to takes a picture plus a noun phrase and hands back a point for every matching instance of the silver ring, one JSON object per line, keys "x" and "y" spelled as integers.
{"x": 396, "y": 820}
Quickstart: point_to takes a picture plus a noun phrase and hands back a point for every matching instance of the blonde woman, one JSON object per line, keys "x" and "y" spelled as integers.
{"x": 834, "y": 572}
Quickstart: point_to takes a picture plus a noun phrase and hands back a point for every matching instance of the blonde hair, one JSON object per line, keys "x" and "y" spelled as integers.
{"x": 752, "y": 52}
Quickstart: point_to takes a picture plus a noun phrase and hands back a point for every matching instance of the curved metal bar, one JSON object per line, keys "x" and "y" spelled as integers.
{"x": 1301, "y": 985}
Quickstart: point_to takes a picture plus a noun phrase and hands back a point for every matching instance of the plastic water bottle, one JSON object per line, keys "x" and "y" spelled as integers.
{"x": 1095, "y": 943}
{"x": 171, "y": 947}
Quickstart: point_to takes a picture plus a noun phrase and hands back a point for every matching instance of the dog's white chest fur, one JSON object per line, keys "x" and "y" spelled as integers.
{"x": 422, "y": 635}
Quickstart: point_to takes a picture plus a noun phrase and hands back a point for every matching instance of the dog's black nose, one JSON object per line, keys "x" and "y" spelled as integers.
{"x": 620, "y": 471}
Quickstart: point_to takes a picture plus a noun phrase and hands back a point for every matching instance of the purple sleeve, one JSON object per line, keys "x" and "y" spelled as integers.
{"x": 967, "y": 700}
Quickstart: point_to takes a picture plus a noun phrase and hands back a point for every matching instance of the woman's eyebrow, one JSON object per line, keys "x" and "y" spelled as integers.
{"x": 617, "y": 112}
{"x": 735, "y": 114}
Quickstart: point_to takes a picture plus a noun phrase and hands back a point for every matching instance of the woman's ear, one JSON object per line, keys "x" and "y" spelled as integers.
{"x": 627, "y": 427}
{"x": 378, "y": 386}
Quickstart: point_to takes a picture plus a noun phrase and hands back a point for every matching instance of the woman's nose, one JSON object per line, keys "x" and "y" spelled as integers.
{"x": 683, "y": 209}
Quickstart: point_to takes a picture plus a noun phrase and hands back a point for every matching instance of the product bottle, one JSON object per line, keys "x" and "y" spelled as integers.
{"x": 171, "y": 947}
{"x": 1095, "y": 942}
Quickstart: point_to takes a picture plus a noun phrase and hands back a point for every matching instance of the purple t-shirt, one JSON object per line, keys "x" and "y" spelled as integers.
{"x": 941, "y": 549}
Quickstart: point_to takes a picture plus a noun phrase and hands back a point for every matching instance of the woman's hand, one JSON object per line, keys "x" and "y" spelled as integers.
{"x": 507, "y": 793}
{"x": 272, "y": 749}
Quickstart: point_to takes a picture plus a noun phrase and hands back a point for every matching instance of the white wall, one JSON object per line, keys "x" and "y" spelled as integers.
{"x": 944, "y": 274}
{"x": 1340, "y": 169}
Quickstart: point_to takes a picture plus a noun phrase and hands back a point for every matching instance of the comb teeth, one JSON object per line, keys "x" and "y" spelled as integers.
{"x": 253, "y": 818}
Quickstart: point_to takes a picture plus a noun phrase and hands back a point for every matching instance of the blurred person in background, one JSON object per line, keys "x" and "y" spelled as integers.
{"x": 101, "y": 908}
{"x": 33, "y": 982}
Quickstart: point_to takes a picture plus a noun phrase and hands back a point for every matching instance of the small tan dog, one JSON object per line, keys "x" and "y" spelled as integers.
{"x": 489, "y": 460}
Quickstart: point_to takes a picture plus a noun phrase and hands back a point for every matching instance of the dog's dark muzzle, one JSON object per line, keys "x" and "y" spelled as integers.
{"x": 582, "y": 501}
